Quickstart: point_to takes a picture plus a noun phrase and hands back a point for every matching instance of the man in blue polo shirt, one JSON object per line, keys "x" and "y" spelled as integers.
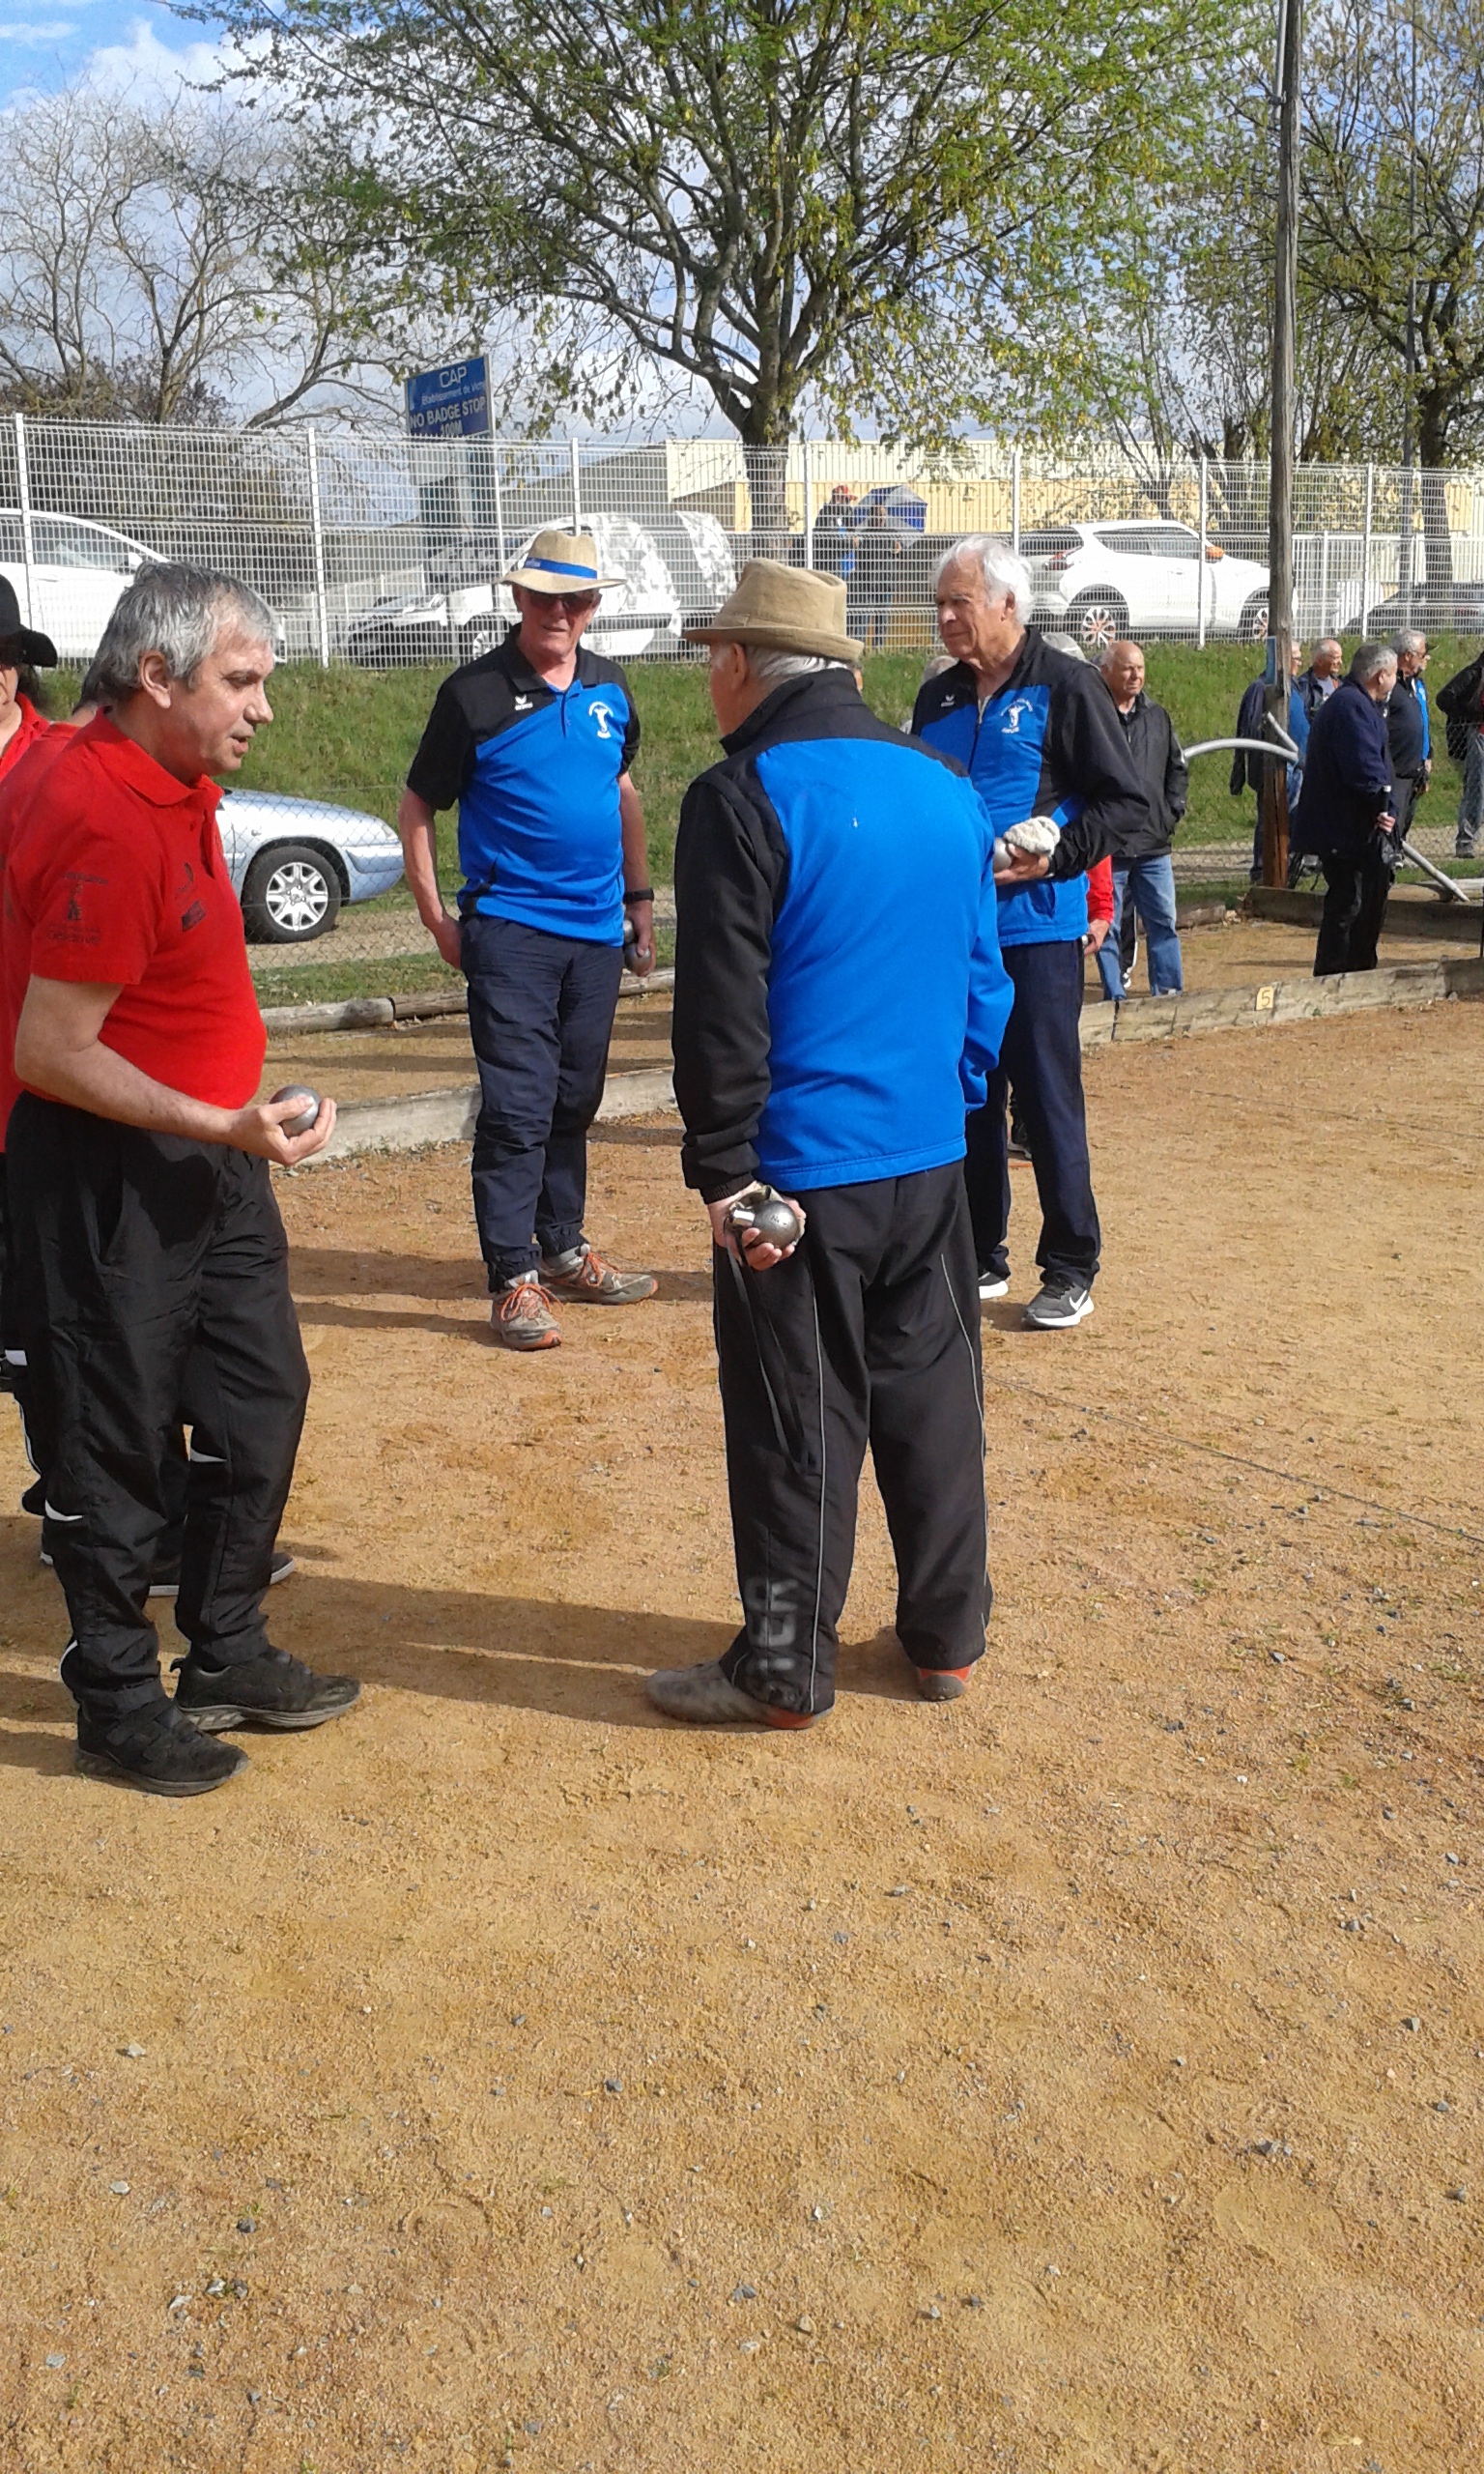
{"x": 534, "y": 741}
{"x": 1037, "y": 735}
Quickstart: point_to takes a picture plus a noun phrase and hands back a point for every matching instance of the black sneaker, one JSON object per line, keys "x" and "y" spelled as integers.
{"x": 157, "y": 1749}
{"x": 1018, "y": 1144}
{"x": 1058, "y": 1305}
{"x": 167, "y": 1580}
{"x": 273, "y": 1690}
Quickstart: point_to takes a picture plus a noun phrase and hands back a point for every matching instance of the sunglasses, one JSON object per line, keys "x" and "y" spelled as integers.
{"x": 569, "y": 601}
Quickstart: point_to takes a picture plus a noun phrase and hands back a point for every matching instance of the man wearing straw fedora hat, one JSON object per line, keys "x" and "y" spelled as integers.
{"x": 840, "y": 999}
{"x": 535, "y": 742}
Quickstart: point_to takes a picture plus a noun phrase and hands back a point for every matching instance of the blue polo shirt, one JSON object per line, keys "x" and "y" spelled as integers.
{"x": 536, "y": 772}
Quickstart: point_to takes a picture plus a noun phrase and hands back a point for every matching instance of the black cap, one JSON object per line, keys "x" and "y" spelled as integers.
{"x": 28, "y": 642}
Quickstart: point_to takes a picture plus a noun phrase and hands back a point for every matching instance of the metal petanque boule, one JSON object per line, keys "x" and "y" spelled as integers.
{"x": 304, "y": 1122}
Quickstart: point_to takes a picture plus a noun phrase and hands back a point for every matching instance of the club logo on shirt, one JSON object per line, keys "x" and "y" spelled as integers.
{"x": 523, "y": 704}
{"x": 603, "y": 714}
{"x": 193, "y": 917}
{"x": 1011, "y": 726}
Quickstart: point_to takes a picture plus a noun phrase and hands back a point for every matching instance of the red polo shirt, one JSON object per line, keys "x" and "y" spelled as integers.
{"x": 34, "y": 726}
{"x": 115, "y": 874}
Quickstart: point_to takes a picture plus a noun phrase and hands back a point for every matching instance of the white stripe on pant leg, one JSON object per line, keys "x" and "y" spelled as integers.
{"x": 67, "y": 1517}
{"x": 824, "y": 1473}
{"x": 977, "y": 1387}
{"x": 218, "y": 1459}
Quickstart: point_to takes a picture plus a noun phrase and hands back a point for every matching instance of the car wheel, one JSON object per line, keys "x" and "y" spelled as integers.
{"x": 291, "y": 894}
{"x": 1098, "y": 620}
{"x": 1253, "y": 628}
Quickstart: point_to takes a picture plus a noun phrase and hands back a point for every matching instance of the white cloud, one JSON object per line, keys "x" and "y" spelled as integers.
{"x": 144, "y": 65}
{"x": 36, "y": 38}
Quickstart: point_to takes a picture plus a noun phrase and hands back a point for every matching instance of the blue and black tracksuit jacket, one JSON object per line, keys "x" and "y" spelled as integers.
{"x": 840, "y": 997}
{"x": 535, "y": 771}
{"x": 1049, "y": 743}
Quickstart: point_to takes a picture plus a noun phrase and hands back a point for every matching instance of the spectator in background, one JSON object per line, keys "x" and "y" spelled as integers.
{"x": 1144, "y": 874}
{"x": 1462, "y": 703}
{"x": 1248, "y": 768}
{"x": 834, "y": 531}
{"x": 1039, "y": 738}
{"x": 873, "y": 578}
{"x": 1318, "y": 683}
{"x": 1347, "y": 817}
{"x": 1409, "y": 728}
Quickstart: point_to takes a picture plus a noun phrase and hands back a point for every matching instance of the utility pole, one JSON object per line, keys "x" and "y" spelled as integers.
{"x": 1408, "y": 400}
{"x": 1280, "y": 484}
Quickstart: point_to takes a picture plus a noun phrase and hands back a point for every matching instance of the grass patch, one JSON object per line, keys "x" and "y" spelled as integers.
{"x": 349, "y": 734}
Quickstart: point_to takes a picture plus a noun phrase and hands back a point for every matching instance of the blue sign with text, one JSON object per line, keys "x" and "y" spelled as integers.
{"x": 451, "y": 402}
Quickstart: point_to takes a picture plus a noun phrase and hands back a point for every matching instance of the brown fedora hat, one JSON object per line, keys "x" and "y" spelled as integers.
{"x": 783, "y": 610}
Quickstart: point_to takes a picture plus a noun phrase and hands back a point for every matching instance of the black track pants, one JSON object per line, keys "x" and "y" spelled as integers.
{"x": 150, "y": 1284}
{"x": 869, "y": 1333}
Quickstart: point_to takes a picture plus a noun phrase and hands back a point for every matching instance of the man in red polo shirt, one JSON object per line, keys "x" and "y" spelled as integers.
{"x": 152, "y": 1269}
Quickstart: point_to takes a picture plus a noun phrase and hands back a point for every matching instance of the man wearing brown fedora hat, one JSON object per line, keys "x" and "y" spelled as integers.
{"x": 535, "y": 741}
{"x": 840, "y": 999}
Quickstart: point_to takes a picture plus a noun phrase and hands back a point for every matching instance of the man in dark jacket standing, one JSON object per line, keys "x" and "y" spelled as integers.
{"x": 1408, "y": 729}
{"x": 1144, "y": 877}
{"x": 1039, "y": 738}
{"x": 1346, "y": 812}
{"x": 840, "y": 999}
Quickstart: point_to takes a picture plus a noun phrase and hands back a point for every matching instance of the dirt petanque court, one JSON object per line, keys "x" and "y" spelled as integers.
{"x": 1082, "y": 2077}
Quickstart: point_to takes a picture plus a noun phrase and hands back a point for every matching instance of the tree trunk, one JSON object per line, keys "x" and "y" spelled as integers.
{"x": 766, "y": 461}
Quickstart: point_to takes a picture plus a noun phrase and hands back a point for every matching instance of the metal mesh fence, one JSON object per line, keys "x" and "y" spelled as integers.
{"x": 384, "y": 554}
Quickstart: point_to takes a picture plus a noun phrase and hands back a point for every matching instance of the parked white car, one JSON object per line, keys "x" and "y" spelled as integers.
{"x": 295, "y": 861}
{"x": 1102, "y": 581}
{"x": 80, "y": 571}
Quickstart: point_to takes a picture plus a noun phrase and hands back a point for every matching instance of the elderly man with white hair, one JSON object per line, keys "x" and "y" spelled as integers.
{"x": 1039, "y": 736}
{"x": 152, "y": 1267}
{"x": 1408, "y": 727}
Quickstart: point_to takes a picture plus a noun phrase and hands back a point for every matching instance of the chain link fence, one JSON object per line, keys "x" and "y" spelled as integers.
{"x": 383, "y": 556}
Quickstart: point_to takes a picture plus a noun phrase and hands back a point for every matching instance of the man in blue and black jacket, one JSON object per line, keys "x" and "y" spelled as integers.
{"x": 1348, "y": 815}
{"x": 1038, "y": 735}
{"x": 840, "y": 1000}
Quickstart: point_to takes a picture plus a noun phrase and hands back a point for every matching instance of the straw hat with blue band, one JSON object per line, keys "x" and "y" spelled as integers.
{"x": 562, "y": 563}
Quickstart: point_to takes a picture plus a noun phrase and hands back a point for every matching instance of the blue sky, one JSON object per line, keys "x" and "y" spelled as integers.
{"x": 56, "y": 42}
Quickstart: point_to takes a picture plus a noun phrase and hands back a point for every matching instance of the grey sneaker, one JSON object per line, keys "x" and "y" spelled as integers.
{"x": 703, "y": 1697}
{"x": 587, "y": 1276}
{"x": 992, "y": 1283}
{"x": 521, "y": 1316}
{"x": 1058, "y": 1305}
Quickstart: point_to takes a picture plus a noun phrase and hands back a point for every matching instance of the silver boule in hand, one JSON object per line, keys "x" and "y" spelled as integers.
{"x": 763, "y": 1212}
{"x": 307, "y": 1120}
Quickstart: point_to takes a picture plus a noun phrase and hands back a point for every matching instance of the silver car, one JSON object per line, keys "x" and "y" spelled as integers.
{"x": 295, "y": 861}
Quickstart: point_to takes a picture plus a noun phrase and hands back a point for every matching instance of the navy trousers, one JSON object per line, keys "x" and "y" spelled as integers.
{"x": 1041, "y": 1057}
{"x": 540, "y": 1017}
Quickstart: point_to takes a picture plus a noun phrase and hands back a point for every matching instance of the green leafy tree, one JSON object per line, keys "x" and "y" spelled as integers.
{"x": 874, "y": 209}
